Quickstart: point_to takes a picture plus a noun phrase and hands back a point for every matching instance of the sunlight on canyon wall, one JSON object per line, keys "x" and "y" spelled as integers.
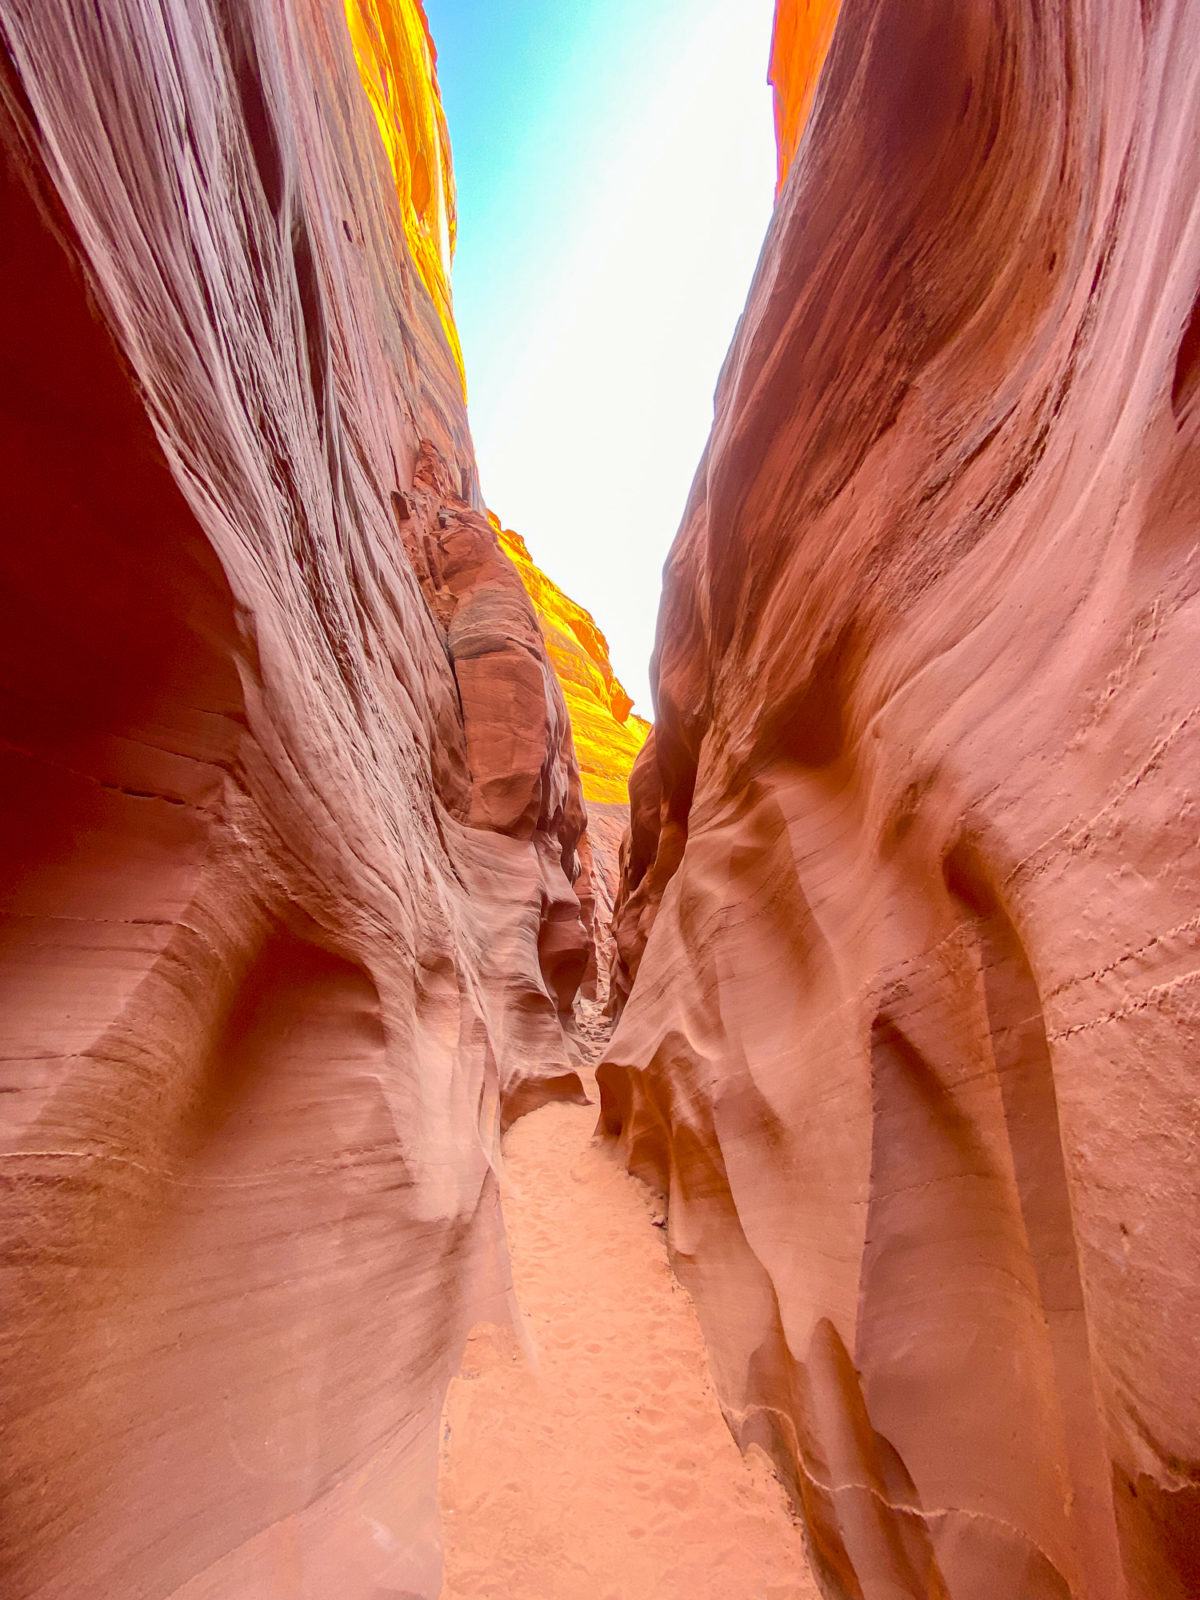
{"x": 608, "y": 735}
{"x": 397, "y": 63}
{"x": 803, "y": 32}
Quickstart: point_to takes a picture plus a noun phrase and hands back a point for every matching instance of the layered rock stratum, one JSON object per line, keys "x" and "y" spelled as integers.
{"x": 294, "y": 843}
{"x": 909, "y": 907}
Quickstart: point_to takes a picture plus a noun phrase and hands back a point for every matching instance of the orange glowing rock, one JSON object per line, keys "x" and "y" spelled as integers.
{"x": 607, "y": 736}
{"x": 397, "y": 62}
{"x": 803, "y": 32}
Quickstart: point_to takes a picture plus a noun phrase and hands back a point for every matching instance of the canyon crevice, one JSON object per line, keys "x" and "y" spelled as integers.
{"x": 908, "y": 917}
{"x": 332, "y": 844}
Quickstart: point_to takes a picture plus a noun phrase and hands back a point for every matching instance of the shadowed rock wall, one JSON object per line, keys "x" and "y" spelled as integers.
{"x": 291, "y": 814}
{"x": 911, "y": 889}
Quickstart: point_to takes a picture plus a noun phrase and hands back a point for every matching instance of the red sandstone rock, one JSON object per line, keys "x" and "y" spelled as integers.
{"x": 607, "y": 737}
{"x": 913, "y": 1040}
{"x": 291, "y": 819}
{"x": 600, "y": 850}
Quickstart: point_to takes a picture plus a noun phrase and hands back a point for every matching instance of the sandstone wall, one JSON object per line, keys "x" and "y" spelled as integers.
{"x": 608, "y": 734}
{"x": 291, "y": 816}
{"x": 911, "y": 891}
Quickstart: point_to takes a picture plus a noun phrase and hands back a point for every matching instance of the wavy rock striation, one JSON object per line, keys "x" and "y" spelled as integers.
{"x": 910, "y": 894}
{"x": 292, "y": 819}
{"x": 397, "y": 63}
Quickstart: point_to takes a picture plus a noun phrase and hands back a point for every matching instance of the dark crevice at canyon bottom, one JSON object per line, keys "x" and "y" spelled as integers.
{"x": 454, "y": 1138}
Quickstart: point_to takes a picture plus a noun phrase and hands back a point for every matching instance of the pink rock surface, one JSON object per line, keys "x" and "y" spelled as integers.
{"x": 290, "y": 823}
{"x": 607, "y": 826}
{"x": 911, "y": 893}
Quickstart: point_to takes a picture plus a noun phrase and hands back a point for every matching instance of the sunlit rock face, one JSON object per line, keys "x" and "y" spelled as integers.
{"x": 608, "y": 735}
{"x": 292, "y": 823}
{"x": 396, "y": 58}
{"x": 607, "y": 739}
{"x": 397, "y": 63}
{"x": 911, "y": 890}
{"x": 803, "y": 30}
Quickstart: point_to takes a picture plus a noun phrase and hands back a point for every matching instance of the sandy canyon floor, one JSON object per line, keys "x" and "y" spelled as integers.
{"x": 597, "y": 1466}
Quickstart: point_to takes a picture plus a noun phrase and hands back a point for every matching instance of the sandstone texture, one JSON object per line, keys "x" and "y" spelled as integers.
{"x": 598, "y": 887}
{"x": 910, "y": 902}
{"x": 397, "y": 64}
{"x": 292, "y": 822}
{"x": 608, "y": 735}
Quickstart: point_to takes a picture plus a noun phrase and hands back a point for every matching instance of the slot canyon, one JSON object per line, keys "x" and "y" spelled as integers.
{"x": 457, "y": 1139}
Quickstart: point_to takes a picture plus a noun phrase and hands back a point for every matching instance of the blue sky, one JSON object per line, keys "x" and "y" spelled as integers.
{"x": 615, "y": 168}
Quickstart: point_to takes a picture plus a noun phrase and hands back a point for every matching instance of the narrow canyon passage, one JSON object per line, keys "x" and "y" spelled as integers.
{"x": 329, "y": 824}
{"x": 598, "y": 1466}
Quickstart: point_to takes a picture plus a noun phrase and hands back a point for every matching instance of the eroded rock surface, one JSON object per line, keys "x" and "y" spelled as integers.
{"x": 291, "y": 814}
{"x": 608, "y": 733}
{"x": 608, "y": 736}
{"x": 911, "y": 891}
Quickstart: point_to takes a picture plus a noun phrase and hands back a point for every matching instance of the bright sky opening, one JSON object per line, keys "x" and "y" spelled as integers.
{"x": 615, "y": 164}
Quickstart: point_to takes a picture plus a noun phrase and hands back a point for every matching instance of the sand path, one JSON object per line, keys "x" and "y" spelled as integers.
{"x": 605, "y": 1471}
